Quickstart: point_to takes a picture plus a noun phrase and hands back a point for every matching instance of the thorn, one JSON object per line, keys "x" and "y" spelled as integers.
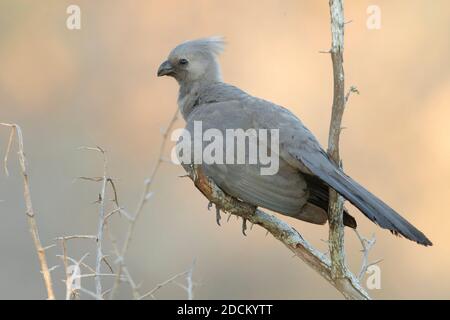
{"x": 49, "y": 247}
{"x": 374, "y": 263}
{"x": 229, "y": 217}
{"x": 52, "y": 268}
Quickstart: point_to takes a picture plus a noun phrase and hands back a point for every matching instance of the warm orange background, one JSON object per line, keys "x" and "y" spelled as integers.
{"x": 98, "y": 86}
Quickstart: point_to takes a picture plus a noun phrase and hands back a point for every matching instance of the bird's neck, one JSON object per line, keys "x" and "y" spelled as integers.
{"x": 189, "y": 95}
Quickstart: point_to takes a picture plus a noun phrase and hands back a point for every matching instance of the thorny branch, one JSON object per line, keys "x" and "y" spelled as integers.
{"x": 335, "y": 211}
{"x": 367, "y": 245}
{"x": 339, "y": 269}
{"x": 146, "y": 195}
{"x": 189, "y": 288}
{"x": 123, "y": 274}
{"x": 101, "y": 220}
{"x": 70, "y": 276}
{"x": 16, "y": 131}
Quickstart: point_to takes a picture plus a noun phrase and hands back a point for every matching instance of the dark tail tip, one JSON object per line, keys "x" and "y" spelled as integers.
{"x": 418, "y": 237}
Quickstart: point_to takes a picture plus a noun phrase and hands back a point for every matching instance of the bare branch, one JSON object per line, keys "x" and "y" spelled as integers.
{"x": 8, "y": 149}
{"x": 78, "y": 236}
{"x": 336, "y": 203}
{"x": 190, "y": 283}
{"x": 29, "y": 206}
{"x": 101, "y": 215}
{"x": 189, "y": 288}
{"x": 92, "y": 294}
{"x": 122, "y": 269}
{"x": 367, "y": 245}
{"x": 101, "y": 222}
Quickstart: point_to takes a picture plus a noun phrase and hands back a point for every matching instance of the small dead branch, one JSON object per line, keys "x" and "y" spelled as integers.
{"x": 189, "y": 288}
{"x": 163, "y": 284}
{"x": 101, "y": 218}
{"x": 122, "y": 269}
{"x": 367, "y": 245}
{"x": 190, "y": 282}
{"x": 16, "y": 131}
{"x": 78, "y": 236}
{"x": 8, "y": 148}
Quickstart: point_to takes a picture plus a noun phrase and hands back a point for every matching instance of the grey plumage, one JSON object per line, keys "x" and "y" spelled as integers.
{"x": 300, "y": 188}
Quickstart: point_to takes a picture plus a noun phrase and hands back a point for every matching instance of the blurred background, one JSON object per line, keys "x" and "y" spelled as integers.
{"x": 98, "y": 86}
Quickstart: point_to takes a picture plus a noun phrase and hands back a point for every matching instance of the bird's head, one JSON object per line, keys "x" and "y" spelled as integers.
{"x": 193, "y": 61}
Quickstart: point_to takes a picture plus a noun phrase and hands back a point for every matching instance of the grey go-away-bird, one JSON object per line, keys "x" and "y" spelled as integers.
{"x": 300, "y": 188}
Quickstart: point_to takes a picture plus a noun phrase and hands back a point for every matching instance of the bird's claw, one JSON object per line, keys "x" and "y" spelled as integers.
{"x": 218, "y": 217}
{"x": 244, "y": 226}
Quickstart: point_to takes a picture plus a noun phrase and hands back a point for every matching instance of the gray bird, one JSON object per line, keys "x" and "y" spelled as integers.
{"x": 300, "y": 188}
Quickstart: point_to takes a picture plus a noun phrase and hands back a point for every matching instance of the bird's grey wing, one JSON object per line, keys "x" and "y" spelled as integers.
{"x": 300, "y": 148}
{"x": 285, "y": 192}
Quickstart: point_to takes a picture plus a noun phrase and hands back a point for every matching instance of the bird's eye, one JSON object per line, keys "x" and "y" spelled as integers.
{"x": 183, "y": 62}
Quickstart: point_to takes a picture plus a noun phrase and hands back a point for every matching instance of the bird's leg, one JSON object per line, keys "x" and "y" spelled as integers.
{"x": 244, "y": 226}
{"x": 218, "y": 217}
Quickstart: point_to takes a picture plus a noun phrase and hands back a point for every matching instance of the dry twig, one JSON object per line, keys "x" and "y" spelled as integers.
{"x": 15, "y": 130}
{"x": 146, "y": 195}
{"x": 101, "y": 219}
{"x": 367, "y": 245}
{"x": 189, "y": 288}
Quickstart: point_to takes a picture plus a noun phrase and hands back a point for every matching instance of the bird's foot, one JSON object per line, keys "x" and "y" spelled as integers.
{"x": 244, "y": 226}
{"x": 218, "y": 217}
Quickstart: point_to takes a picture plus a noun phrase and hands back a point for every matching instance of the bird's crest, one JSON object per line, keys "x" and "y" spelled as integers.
{"x": 213, "y": 45}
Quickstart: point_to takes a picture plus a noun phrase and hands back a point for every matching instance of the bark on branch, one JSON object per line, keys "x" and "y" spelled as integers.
{"x": 335, "y": 211}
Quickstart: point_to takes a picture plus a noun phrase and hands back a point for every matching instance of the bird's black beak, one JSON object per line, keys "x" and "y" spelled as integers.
{"x": 165, "y": 69}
